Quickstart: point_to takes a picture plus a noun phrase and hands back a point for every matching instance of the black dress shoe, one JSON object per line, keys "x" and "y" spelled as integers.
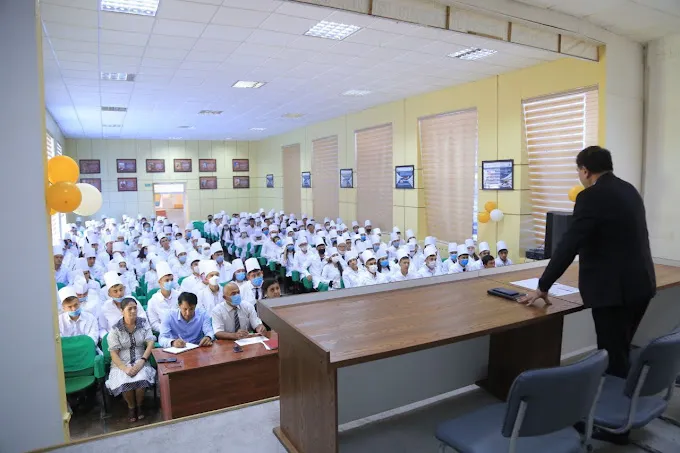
{"x": 605, "y": 436}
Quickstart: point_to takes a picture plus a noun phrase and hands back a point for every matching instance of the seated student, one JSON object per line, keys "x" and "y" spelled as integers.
{"x": 273, "y": 248}
{"x": 165, "y": 299}
{"x": 151, "y": 276}
{"x": 453, "y": 256}
{"x": 484, "y": 250}
{"x": 430, "y": 268}
{"x": 239, "y": 272}
{"x": 502, "y": 259}
{"x": 462, "y": 261}
{"x": 393, "y": 249}
{"x": 209, "y": 295}
{"x": 126, "y": 274}
{"x": 186, "y": 324}
{"x": 89, "y": 299}
{"x": 370, "y": 275}
{"x": 74, "y": 321}
{"x": 193, "y": 283}
{"x": 288, "y": 257}
{"x": 488, "y": 262}
{"x": 471, "y": 249}
{"x": 60, "y": 270}
{"x": 332, "y": 270}
{"x": 251, "y": 291}
{"x": 234, "y": 317}
{"x": 416, "y": 255}
{"x": 223, "y": 267}
{"x": 351, "y": 275}
{"x": 180, "y": 266}
{"x": 271, "y": 288}
{"x": 402, "y": 272}
{"x": 385, "y": 265}
{"x": 112, "y": 311}
{"x": 96, "y": 269}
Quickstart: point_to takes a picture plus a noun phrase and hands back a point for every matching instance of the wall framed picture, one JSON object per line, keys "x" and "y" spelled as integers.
{"x": 207, "y": 165}
{"x": 404, "y": 177}
{"x": 126, "y": 165}
{"x": 97, "y": 182}
{"x": 306, "y": 180}
{"x": 182, "y": 165}
{"x": 90, "y": 166}
{"x": 240, "y": 165}
{"x": 127, "y": 184}
{"x": 346, "y": 178}
{"x": 241, "y": 182}
{"x": 155, "y": 165}
{"x": 208, "y": 182}
{"x": 498, "y": 174}
{"x": 270, "y": 181}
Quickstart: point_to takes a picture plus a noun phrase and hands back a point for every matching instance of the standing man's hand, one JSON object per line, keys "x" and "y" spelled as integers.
{"x": 530, "y": 299}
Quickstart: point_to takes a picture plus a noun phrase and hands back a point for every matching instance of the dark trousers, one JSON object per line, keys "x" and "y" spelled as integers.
{"x": 615, "y": 328}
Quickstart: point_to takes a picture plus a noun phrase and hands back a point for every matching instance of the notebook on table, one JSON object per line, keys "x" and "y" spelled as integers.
{"x": 271, "y": 344}
{"x": 188, "y": 347}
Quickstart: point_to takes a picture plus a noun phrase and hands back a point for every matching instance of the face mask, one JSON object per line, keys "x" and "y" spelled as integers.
{"x": 169, "y": 286}
{"x": 75, "y": 313}
{"x": 118, "y": 299}
{"x": 384, "y": 263}
{"x": 431, "y": 264}
{"x": 373, "y": 268}
{"x": 454, "y": 256}
{"x": 236, "y": 299}
{"x": 335, "y": 259}
{"x": 213, "y": 280}
{"x": 303, "y": 248}
{"x": 206, "y": 252}
{"x": 182, "y": 259}
{"x": 240, "y": 276}
{"x": 279, "y": 242}
{"x": 257, "y": 281}
{"x": 290, "y": 248}
{"x": 219, "y": 259}
{"x": 363, "y": 237}
{"x": 265, "y": 232}
{"x": 376, "y": 248}
{"x": 463, "y": 262}
{"x": 82, "y": 299}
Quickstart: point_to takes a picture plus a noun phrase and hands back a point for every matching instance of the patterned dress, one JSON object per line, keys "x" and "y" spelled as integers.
{"x": 130, "y": 347}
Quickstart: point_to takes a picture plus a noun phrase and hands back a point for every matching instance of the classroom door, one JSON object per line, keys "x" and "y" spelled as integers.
{"x": 292, "y": 182}
{"x": 169, "y": 202}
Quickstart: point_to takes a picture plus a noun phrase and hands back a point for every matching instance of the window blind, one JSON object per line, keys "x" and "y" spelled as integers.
{"x": 556, "y": 129}
{"x": 375, "y": 175}
{"x": 325, "y": 174}
{"x": 292, "y": 185}
{"x": 448, "y": 150}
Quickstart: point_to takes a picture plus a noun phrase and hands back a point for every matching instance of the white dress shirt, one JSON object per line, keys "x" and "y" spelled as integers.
{"x": 223, "y": 317}
{"x": 207, "y": 300}
{"x": 158, "y": 306}
{"x": 226, "y": 273}
{"x": 61, "y": 275}
{"x": 425, "y": 271}
{"x": 351, "y": 277}
{"x": 164, "y": 254}
{"x": 457, "y": 269}
{"x": 251, "y": 294}
{"x": 397, "y": 276}
{"x": 86, "y": 324}
{"x": 367, "y": 279}
{"x": 110, "y": 314}
{"x": 192, "y": 284}
{"x": 501, "y": 263}
{"x": 182, "y": 270}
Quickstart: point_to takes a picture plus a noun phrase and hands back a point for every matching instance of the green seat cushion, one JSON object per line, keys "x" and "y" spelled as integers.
{"x": 309, "y": 284}
{"x": 323, "y": 287}
{"x": 262, "y": 261}
{"x": 296, "y": 276}
{"x": 78, "y": 383}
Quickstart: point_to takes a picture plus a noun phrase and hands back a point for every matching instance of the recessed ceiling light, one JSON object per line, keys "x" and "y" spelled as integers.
{"x": 228, "y": 138}
{"x": 356, "y": 93}
{"x": 248, "y": 84}
{"x": 332, "y": 30}
{"x": 293, "y": 115}
{"x": 118, "y": 76}
{"x": 472, "y": 53}
{"x": 114, "y": 109}
{"x": 257, "y": 128}
{"x": 174, "y": 138}
{"x": 139, "y": 7}
{"x": 112, "y": 125}
{"x": 186, "y": 127}
{"x": 210, "y": 112}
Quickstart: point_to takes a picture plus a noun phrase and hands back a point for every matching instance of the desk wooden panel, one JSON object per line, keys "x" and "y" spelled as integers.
{"x": 216, "y": 377}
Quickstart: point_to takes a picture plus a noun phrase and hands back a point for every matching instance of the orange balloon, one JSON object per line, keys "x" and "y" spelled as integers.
{"x": 574, "y": 191}
{"x": 52, "y": 211}
{"x": 490, "y": 206}
{"x": 483, "y": 217}
{"x": 63, "y": 196}
{"x": 62, "y": 168}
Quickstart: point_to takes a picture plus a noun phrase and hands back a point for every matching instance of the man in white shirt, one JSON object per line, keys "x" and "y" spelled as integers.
{"x": 164, "y": 251}
{"x": 165, "y": 298}
{"x": 252, "y": 290}
{"x": 180, "y": 265}
{"x": 233, "y": 317}
{"x": 462, "y": 261}
{"x": 402, "y": 271}
{"x": 74, "y": 321}
{"x": 96, "y": 269}
{"x": 60, "y": 271}
{"x": 453, "y": 257}
{"x": 502, "y": 259}
{"x": 210, "y": 295}
{"x": 193, "y": 283}
{"x": 370, "y": 275}
{"x": 223, "y": 267}
{"x": 430, "y": 268}
{"x": 90, "y": 300}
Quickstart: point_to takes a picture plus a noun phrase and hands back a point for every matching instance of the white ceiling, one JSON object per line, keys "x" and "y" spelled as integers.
{"x": 640, "y": 20}
{"x": 188, "y": 56}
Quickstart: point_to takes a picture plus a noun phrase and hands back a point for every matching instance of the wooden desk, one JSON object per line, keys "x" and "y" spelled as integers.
{"x": 206, "y": 379}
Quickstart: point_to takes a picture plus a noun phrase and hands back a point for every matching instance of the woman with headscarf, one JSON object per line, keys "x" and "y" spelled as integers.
{"x": 111, "y": 310}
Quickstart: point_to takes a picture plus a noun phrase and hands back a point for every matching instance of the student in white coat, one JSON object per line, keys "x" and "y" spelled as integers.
{"x": 462, "y": 262}
{"x": 393, "y": 249}
{"x": 223, "y": 267}
{"x": 471, "y": 249}
{"x": 417, "y": 256}
{"x": 351, "y": 275}
{"x": 402, "y": 271}
{"x": 179, "y": 265}
{"x": 451, "y": 260}
{"x": 332, "y": 271}
{"x": 193, "y": 283}
{"x": 90, "y": 300}
{"x": 484, "y": 250}
{"x": 73, "y": 320}
{"x": 385, "y": 265}
{"x": 502, "y": 259}
{"x": 60, "y": 270}
{"x": 430, "y": 268}
{"x": 111, "y": 312}
{"x": 211, "y": 294}
{"x": 165, "y": 299}
{"x": 151, "y": 277}
{"x": 251, "y": 291}
{"x": 370, "y": 275}
{"x": 97, "y": 271}
{"x": 288, "y": 257}
{"x": 240, "y": 276}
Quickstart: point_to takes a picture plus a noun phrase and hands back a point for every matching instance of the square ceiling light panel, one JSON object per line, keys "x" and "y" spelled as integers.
{"x": 138, "y": 7}
{"x": 472, "y": 53}
{"x": 248, "y": 84}
{"x": 118, "y": 76}
{"x": 332, "y": 30}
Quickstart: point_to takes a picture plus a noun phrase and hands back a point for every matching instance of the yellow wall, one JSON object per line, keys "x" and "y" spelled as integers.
{"x": 498, "y": 101}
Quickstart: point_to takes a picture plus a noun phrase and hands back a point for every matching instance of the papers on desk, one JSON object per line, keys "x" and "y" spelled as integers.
{"x": 556, "y": 290}
{"x": 251, "y": 340}
{"x": 188, "y": 347}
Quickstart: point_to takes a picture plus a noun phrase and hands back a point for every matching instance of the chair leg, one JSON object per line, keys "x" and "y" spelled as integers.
{"x": 104, "y": 412}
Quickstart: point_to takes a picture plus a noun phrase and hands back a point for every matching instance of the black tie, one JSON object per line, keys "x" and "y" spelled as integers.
{"x": 237, "y": 322}
{"x": 257, "y": 294}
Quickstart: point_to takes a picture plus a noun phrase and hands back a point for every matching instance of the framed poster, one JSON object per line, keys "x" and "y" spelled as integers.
{"x": 97, "y": 182}
{"x": 270, "y": 181}
{"x": 207, "y": 165}
{"x": 90, "y": 166}
{"x": 182, "y": 165}
{"x": 241, "y": 182}
{"x": 404, "y": 177}
{"x": 127, "y": 184}
{"x": 498, "y": 174}
{"x": 208, "y": 182}
{"x": 155, "y": 165}
{"x": 126, "y": 165}
{"x": 240, "y": 165}
{"x": 346, "y": 178}
{"x": 306, "y": 180}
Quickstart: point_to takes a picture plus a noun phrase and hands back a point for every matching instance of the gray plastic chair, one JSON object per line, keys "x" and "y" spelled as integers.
{"x": 543, "y": 405}
{"x": 637, "y": 400}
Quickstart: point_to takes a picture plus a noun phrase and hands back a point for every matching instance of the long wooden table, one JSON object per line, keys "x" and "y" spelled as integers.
{"x": 317, "y": 338}
{"x": 216, "y": 377}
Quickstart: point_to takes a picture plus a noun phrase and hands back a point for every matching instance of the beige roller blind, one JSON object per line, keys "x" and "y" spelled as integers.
{"x": 556, "y": 129}
{"x": 325, "y": 178}
{"x": 375, "y": 175}
{"x": 292, "y": 189}
{"x": 448, "y": 149}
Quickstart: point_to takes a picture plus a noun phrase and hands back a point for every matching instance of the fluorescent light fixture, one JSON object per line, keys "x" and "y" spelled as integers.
{"x": 118, "y": 76}
{"x": 293, "y": 115}
{"x": 138, "y": 7}
{"x": 112, "y": 125}
{"x": 228, "y": 138}
{"x": 210, "y": 112}
{"x": 472, "y": 53}
{"x": 186, "y": 127}
{"x": 356, "y": 93}
{"x": 248, "y": 84}
{"x": 257, "y": 128}
{"x": 174, "y": 138}
{"x": 113, "y": 109}
{"x": 332, "y": 30}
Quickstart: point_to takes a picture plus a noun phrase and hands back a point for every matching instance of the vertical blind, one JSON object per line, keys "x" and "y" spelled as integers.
{"x": 292, "y": 185}
{"x": 448, "y": 150}
{"x": 375, "y": 175}
{"x": 556, "y": 129}
{"x": 326, "y": 178}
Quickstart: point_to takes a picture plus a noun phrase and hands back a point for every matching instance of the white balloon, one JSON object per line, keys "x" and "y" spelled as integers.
{"x": 92, "y": 200}
{"x": 496, "y": 215}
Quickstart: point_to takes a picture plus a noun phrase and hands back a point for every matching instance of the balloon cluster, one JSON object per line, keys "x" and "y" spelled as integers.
{"x": 64, "y": 194}
{"x": 491, "y": 212}
{"x": 574, "y": 191}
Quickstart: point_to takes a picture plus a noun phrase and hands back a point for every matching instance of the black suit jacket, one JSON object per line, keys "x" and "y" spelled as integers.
{"x": 609, "y": 233}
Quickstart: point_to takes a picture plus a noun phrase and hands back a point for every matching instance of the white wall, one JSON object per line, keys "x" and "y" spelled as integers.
{"x": 662, "y": 147}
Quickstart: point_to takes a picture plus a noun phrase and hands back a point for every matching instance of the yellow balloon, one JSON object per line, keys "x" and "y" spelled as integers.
{"x": 52, "y": 211}
{"x": 574, "y": 191}
{"x": 62, "y": 168}
{"x": 483, "y": 217}
{"x": 490, "y": 206}
{"x": 63, "y": 196}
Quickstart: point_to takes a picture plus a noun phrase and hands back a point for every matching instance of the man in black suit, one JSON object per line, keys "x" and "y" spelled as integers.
{"x": 616, "y": 272}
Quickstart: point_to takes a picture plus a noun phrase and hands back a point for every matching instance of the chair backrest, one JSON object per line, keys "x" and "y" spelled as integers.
{"x": 662, "y": 357}
{"x": 105, "y": 349}
{"x": 181, "y": 279}
{"x": 152, "y": 292}
{"x": 554, "y": 398}
{"x": 78, "y": 353}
